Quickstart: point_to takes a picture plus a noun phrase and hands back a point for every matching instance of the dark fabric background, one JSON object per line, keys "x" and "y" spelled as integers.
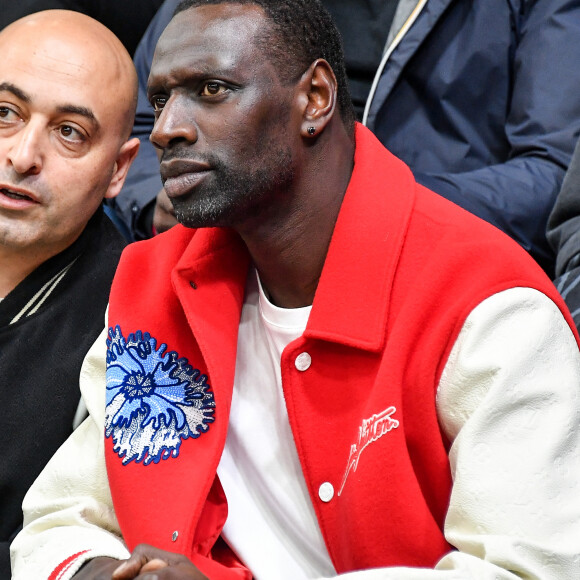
{"x": 128, "y": 19}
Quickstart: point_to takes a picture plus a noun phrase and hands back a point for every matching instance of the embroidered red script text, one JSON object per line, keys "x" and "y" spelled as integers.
{"x": 371, "y": 430}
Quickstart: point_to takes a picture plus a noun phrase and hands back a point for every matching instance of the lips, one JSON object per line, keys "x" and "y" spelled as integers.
{"x": 14, "y": 195}
{"x": 15, "y": 198}
{"x": 181, "y": 176}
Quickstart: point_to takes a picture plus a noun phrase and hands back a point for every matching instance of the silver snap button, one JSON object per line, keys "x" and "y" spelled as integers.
{"x": 174, "y": 536}
{"x": 303, "y": 361}
{"x": 326, "y": 492}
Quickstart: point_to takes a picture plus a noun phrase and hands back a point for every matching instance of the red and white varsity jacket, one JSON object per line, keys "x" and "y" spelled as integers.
{"x": 404, "y": 269}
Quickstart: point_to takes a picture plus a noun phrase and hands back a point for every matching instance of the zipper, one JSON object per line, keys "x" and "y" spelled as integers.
{"x": 403, "y": 30}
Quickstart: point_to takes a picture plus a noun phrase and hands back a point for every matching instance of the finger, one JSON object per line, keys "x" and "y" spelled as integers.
{"x": 98, "y": 568}
{"x": 128, "y": 570}
{"x": 142, "y": 555}
{"x": 164, "y": 202}
{"x": 184, "y": 570}
{"x": 167, "y": 207}
{"x": 152, "y": 565}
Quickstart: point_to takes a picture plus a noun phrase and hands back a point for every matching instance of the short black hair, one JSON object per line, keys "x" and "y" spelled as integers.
{"x": 303, "y": 31}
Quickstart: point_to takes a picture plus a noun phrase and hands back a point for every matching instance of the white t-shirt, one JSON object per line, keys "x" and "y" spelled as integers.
{"x": 271, "y": 523}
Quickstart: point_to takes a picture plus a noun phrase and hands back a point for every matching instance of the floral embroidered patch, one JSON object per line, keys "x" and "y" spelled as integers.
{"x": 154, "y": 398}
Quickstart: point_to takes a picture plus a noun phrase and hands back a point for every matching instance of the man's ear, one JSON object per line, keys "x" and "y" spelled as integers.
{"x": 318, "y": 89}
{"x": 126, "y": 156}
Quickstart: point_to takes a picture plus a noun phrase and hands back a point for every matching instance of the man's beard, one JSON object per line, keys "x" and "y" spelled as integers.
{"x": 231, "y": 196}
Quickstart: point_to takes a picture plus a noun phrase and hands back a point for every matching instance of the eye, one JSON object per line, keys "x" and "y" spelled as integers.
{"x": 71, "y": 134}
{"x": 211, "y": 89}
{"x": 8, "y": 114}
{"x": 158, "y": 102}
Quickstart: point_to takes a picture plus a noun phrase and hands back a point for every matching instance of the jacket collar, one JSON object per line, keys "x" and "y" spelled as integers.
{"x": 412, "y": 23}
{"x": 34, "y": 290}
{"x": 352, "y": 299}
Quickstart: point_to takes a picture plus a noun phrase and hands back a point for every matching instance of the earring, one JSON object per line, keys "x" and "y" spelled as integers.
{"x": 311, "y": 130}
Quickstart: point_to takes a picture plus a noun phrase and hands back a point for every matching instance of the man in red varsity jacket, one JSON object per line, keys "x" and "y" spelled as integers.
{"x": 330, "y": 370}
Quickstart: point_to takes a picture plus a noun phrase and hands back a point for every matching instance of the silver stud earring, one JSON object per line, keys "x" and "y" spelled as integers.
{"x": 311, "y": 130}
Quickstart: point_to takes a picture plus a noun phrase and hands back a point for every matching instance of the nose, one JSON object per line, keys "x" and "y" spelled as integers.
{"x": 174, "y": 123}
{"x": 25, "y": 153}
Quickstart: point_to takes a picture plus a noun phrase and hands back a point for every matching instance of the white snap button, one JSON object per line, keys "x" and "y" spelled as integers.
{"x": 303, "y": 361}
{"x": 326, "y": 492}
{"x": 174, "y": 536}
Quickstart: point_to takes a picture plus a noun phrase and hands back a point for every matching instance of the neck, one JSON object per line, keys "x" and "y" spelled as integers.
{"x": 289, "y": 248}
{"x": 18, "y": 260}
{"x": 14, "y": 269}
{"x": 17, "y": 264}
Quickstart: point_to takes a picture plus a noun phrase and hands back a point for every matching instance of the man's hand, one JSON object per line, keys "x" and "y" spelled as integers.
{"x": 145, "y": 563}
{"x": 97, "y": 569}
{"x": 149, "y": 563}
{"x": 163, "y": 214}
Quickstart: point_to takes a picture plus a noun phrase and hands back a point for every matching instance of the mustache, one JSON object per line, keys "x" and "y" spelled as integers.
{"x": 28, "y": 185}
{"x": 177, "y": 161}
{"x": 178, "y": 153}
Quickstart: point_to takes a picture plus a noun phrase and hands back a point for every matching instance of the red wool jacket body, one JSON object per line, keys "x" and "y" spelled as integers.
{"x": 404, "y": 269}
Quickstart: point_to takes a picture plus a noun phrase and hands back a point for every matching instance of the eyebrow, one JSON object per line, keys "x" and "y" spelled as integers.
{"x": 10, "y": 88}
{"x": 72, "y": 109}
{"x": 156, "y": 83}
{"x": 82, "y": 111}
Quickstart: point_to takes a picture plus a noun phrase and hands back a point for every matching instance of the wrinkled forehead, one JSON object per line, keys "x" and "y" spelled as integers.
{"x": 220, "y": 36}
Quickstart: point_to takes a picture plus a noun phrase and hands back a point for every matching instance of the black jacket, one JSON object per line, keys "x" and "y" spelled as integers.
{"x": 47, "y": 325}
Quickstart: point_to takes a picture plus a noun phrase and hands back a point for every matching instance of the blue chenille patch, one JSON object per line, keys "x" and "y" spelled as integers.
{"x": 154, "y": 398}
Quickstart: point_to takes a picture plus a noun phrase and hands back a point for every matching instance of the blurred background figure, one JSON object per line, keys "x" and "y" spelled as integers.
{"x": 476, "y": 98}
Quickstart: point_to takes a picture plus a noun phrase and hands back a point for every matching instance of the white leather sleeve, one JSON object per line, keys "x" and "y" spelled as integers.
{"x": 509, "y": 400}
{"x": 68, "y": 513}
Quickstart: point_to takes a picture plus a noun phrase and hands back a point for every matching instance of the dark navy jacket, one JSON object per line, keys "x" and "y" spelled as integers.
{"x": 564, "y": 236}
{"x": 479, "y": 99}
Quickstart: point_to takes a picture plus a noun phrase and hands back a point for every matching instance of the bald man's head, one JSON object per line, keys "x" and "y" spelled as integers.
{"x": 68, "y": 91}
{"x": 63, "y": 42}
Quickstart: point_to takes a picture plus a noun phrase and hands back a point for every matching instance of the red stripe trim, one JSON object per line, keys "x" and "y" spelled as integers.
{"x": 64, "y": 566}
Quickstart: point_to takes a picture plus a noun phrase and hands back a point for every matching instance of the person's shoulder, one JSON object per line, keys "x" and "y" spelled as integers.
{"x": 160, "y": 251}
{"x": 145, "y": 266}
{"x": 449, "y": 219}
{"x": 451, "y": 235}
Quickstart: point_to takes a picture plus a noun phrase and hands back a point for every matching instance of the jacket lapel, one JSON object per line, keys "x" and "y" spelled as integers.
{"x": 413, "y": 21}
{"x": 209, "y": 281}
{"x": 352, "y": 300}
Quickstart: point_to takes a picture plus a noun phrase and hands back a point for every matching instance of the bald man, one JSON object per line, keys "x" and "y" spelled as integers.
{"x": 67, "y": 102}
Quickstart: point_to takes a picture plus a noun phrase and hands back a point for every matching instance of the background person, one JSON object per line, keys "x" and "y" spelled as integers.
{"x": 564, "y": 235}
{"x": 67, "y": 99}
{"x": 475, "y": 98}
